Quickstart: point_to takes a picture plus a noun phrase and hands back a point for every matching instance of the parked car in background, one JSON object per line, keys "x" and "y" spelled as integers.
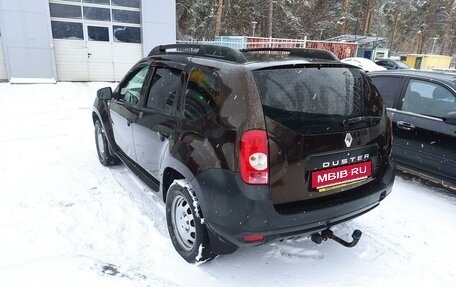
{"x": 365, "y": 64}
{"x": 392, "y": 64}
{"x": 422, "y": 106}
{"x": 245, "y": 147}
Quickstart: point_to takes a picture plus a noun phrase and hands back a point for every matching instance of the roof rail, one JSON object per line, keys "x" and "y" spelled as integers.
{"x": 298, "y": 52}
{"x": 211, "y": 51}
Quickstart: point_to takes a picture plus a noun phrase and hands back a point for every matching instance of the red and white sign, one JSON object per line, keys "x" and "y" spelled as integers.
{"x": 339, "y": 175}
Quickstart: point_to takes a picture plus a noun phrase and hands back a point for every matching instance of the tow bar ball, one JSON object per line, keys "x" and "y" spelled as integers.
{"x": 328, "y": 234}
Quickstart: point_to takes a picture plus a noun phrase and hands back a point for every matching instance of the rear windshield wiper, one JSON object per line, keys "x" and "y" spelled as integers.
{"x": 363, "y": 119}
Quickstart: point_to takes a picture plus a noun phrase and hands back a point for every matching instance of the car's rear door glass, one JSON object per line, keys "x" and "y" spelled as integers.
{"x": 427, "y": 98}
{"x": 203, "y": 90}
{"x": 163, "y": 90}
{"x": 317, "y": 99}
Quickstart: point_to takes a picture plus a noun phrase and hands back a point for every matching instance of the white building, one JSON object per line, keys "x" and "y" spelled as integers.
{"x": 80, "y": 40}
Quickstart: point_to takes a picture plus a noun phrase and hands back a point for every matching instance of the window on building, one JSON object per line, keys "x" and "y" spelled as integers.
{"x": 67, "y": 30}
{"x": 126, "y": 16}
{"x": 65, "y": 11}
{"x": 100, "y": 34}
{"x": 123, "y": 16}
{"x": 162, "y": 93}
{"x": 131, "y": 90}
{"x": 201, "y": 94}
{"x": 126, "y": 34}
{"x": 126, "y": 3}
{"x": 103, "y": 2}
{"x": 98, "y": 14}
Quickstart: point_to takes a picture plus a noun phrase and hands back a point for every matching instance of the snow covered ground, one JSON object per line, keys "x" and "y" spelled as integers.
{"x": 65, "y": 220}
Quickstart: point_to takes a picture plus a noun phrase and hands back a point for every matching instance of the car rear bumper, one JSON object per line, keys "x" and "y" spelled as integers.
{"x": 233, "y": 209}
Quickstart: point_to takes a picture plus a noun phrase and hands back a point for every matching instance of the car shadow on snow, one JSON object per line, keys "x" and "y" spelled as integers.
{"x": 426, "y": 181}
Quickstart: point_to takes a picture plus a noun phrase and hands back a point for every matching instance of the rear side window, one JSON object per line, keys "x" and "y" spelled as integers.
{"x": 202, "y": 92}
{"x": 389, "y": 88}
{"x": 426, "y": 98}
{"x": 317, "y": 99}
{"x": 162, "y": 94}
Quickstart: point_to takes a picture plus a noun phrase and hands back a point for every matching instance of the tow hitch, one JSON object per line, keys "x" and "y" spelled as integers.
{"x": 328, "y": 234}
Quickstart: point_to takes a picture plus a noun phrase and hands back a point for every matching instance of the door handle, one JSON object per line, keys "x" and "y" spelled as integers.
{"x": 405, "y": 126}
{"x": 88, "y": 55}
{"x": 163, "y": 135}
{"x": 129, "y": 122}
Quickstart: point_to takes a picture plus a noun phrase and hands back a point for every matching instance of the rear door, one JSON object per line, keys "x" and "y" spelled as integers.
{"x": 320, "y": 118}
{"x": 422, "y": 139}
{"x": 155, "y": 124}
{"x": 124, "y": 109}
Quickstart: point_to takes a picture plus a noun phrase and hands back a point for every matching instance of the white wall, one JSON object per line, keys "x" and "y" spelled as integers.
{"x": 27, "y": 40}
{"x": 3, "y": 74}
{"x": 158, "y": 23}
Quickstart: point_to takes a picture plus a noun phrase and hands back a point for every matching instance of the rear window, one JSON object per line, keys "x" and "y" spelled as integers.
{"x": 317, "y": 99}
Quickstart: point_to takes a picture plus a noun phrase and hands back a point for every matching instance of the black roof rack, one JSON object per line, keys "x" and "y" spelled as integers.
{"x": 298, "y": 52}
{"x": 212, "y": 51}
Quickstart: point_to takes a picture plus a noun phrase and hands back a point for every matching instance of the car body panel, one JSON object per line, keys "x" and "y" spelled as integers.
{"x": 429, "y": 145}
{"x": 234, "y": 208}
{"x": 122, "y": 116}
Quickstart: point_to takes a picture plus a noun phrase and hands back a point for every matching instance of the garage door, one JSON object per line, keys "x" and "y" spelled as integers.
{"x": 3, "y": 74}
{"x": 95, "y": 40}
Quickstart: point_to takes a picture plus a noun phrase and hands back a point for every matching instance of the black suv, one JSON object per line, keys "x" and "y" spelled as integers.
{"x": 247, "y": 146}
{"x": 422, "y": 106}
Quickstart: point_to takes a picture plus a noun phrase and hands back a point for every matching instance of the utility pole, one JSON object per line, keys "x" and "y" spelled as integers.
{"x": 270, "y": 19}
{"x": 253, "y": 27}
{"x": 218, "y": 23}
{"x": 433, "y": 44}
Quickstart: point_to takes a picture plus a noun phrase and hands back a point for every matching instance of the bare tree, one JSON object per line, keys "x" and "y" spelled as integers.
{"x": 410, "y": 25}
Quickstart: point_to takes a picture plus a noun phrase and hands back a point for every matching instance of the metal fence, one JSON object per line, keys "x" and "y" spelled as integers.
{"x": 342, "y": 50}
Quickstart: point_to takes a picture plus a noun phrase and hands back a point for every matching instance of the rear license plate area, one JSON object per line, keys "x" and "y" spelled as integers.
{"x": 338, "y": 177}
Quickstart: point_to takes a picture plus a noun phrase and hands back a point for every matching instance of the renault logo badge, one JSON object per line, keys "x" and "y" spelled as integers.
{"x": 348, "y": 140}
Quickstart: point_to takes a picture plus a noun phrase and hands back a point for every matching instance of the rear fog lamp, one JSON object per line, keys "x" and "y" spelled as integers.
{"x": 253, "y": 238}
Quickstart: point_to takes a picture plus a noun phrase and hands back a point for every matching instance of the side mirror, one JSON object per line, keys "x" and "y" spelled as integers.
{"x": 104, "y": 93}
{"x": 450, "y": 119}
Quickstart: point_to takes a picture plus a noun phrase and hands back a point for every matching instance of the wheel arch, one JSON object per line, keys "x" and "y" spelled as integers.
{"x": 169, "y": 176}
{"x": 100, "y": 111}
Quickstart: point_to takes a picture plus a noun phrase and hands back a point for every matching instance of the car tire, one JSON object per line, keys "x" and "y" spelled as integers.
{"x": 186, "y": 224}
{"x": 104, "y": 154}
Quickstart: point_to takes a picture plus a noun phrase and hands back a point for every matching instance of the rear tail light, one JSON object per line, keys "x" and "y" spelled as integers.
{"x": 253, "y": 238}
{"x": 253, "y": 161}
